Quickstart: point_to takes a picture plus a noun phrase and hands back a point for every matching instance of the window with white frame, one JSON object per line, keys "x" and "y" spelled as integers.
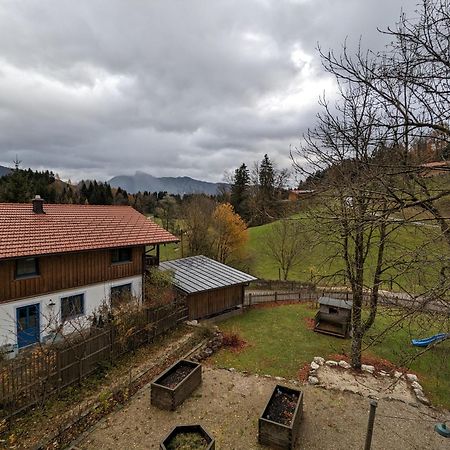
{"x": 121, "y": 294}
{"x": 72, "y": 306}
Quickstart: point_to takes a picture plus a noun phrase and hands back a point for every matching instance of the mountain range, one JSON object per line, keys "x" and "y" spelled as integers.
{"x": 142, "y": 181}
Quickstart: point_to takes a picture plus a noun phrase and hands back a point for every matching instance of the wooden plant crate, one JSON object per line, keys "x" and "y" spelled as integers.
{"x": 278, "y": 435}
{"x": 169, "y": 398}
{"x": 188, "y": 429}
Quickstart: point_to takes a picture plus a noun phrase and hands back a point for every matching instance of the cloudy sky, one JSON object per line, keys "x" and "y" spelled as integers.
{"x": 97, "y": 88}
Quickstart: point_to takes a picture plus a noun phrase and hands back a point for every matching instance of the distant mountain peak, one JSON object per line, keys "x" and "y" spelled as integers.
{"x": 142, "y": 181}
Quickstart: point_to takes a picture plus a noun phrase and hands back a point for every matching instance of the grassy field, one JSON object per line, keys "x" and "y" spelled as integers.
{"x": 318, "y": 262}
{"x": 280, "y": 343}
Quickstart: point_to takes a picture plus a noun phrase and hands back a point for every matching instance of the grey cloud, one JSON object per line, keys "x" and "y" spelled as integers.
{"x": 104, "y": 87}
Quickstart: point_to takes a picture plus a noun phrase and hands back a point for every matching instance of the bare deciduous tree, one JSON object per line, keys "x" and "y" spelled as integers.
{"x": 371, "y": 183}
{"x": 286, "y": 244}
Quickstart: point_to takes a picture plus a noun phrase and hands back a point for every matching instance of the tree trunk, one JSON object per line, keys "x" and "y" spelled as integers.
{"x": 356, "y": 349}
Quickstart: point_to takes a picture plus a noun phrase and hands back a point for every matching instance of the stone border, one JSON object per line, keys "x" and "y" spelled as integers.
{"x": 410, "y": 378}
{"x": 208, "y": 348}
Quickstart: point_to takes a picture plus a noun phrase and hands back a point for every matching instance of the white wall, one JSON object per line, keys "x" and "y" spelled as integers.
{"x": 50, "y": 316}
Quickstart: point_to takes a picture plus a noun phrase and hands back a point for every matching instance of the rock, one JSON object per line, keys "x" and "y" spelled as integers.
{"x": 319, "y": 360}
{"x": 415, "y": 385}
{"x": 280, "y": 378}
{"x": 383, "y": 373}
{"x": 344, "y": 364}
{"x": 313, "y": 380}
{"x": 411, "y": 377}
{"x": 267, "y": 376}
{"x": 208, "y": 351}
{"x": 192, "y": 323}
{"x": 352, "y": 390}
{"x": 331, "y": 363}
{"x": 422, "y": 399}
{"x": 367, "y": 368}
{"x": 418, "y": 391}
{"x": 397, "y": 374}
{"x": 314, "y": 366}
{"x": 232, "y": 369}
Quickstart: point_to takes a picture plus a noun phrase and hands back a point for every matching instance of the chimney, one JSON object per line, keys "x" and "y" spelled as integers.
{"x": 38, "y": 205}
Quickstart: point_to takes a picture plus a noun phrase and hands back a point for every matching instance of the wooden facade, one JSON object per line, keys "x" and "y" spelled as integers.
{"x": 66, "y": 271}
{"x": 210, "y": 303}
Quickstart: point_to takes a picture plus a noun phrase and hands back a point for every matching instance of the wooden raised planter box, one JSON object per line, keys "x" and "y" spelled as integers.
{"x": 279, "y": 423}
{"x": 175, "y": 384}
{"x": 209, "y": 442}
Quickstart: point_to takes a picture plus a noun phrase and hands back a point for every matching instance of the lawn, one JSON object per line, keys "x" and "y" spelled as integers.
{"x": 318, "y": 262}
{"x": 280, "y": 344}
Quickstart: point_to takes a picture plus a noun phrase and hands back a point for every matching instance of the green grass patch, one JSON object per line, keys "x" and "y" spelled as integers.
{"x": 319, "y": 261}
{"x": 280, "y": 344}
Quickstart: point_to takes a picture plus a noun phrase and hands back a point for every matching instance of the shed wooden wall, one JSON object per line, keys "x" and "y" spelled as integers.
{"x": 341, "y": 316}
{"x": 65, "y": 271}
{"x": 205, "y": 304}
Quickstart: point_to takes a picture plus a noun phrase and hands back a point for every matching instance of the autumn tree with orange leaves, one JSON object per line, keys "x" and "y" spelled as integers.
{"x": 229, "y": 233}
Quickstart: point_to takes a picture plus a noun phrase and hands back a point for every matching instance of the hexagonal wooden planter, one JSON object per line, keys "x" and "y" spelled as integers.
{"x": 169, "y": 391}
{"x": 194, "y": 429}
{"x": 272, "y": 431}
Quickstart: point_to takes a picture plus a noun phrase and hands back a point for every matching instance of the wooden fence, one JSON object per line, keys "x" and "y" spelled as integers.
{"x": 389, "y": 299}
{"x": 35, "y": 375}
{"x": 258, "y": 297}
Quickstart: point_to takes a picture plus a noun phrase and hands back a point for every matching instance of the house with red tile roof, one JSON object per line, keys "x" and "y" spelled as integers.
{"x": 61, "y": 263}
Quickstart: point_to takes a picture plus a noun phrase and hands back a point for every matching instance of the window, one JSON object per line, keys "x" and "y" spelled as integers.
{"x": 72, "y": 306}
{"x": 121, "y": 255}
{"x": 120, "y": 294}
{"x": 27, "y": 267}
{"x": 332, "y": 310}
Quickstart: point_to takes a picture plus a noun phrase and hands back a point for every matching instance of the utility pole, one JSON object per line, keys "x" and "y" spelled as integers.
{"x": 373, "y": 408}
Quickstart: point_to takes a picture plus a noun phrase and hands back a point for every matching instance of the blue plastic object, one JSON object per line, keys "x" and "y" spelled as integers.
{"x": 442, "y": 429}
{"x": 427, "y": 341}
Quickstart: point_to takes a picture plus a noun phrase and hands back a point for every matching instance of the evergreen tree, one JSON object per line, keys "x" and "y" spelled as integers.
{"x": 240, "y": 191}
{"x": 267, "y": 179}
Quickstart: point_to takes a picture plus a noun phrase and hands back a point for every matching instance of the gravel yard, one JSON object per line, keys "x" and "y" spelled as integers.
{"x": 228, "y": 405}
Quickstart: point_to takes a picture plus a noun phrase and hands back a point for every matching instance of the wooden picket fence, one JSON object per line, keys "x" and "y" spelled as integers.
{"x": 388, "y": 299}
{"x": 34, "y": 376}
{"x": 257, "y": 297}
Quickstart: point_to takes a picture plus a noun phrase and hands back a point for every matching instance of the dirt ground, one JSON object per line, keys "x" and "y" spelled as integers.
{"x": 228, "y": 405}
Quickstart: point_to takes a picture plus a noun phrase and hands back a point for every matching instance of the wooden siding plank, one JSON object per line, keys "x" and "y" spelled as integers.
{"x": 59, "y": 272}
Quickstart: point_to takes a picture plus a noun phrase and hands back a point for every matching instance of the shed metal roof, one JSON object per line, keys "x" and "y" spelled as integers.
{"x": 337, "y": 303}
{"x": 199, "y": 274}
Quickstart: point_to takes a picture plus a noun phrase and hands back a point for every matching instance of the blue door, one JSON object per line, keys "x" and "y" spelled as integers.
{"x": 27, "y": 325}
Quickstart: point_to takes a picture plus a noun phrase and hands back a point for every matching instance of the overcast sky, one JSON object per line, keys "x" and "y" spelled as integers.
{"x": 97, "y": 88}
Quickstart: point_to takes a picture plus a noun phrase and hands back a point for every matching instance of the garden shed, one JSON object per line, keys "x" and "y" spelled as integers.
{"x": 334, "y": 317}
{"x": 211, "y": 288}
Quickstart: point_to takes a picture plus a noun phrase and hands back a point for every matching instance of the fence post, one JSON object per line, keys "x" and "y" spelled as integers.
{"x": 58, "y": 367}
{"x": 373, "y": 407}
{"x": 80, "y": 370}
{"x": 111, "y": 343}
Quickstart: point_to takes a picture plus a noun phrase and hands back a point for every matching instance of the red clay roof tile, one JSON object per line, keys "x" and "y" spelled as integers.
{"x": 72, "y": 228}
